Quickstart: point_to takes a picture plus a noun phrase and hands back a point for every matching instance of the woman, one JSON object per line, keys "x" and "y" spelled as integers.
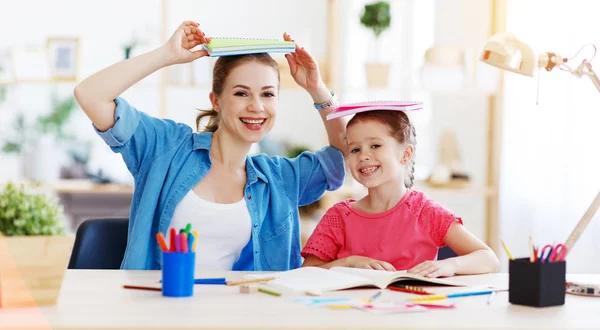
{"x": 245, "y": 208}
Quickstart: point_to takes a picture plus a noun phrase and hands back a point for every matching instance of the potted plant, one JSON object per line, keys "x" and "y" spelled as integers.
{"x": 377, "y": 17}
{"x": 34, "y": 252}
{"x": 36, "y": 142}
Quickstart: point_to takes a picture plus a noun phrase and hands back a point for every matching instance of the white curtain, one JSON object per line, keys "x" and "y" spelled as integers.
{"x": 550, "y": 167}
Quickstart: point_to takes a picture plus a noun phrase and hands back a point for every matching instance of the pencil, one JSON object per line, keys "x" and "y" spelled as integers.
{"x": 255, "y": 280}
{"x": 139, "y": 287}
{"x": 452, "y": 295}
{"x": 489, "y": 301}
{"x": 375, "y": 296}
{"x": 267, "y": 291}
{"x": 506, "y": 250}
{"x": 531, "y": 250}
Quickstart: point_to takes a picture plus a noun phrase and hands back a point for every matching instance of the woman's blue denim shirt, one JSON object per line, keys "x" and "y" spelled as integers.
{"x": 167, "y": 159}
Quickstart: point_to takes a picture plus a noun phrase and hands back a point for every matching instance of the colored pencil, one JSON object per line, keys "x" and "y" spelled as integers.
{"x": 264, "y": 279}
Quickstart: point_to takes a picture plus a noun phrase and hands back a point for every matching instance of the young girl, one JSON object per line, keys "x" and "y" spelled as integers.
{"x": 392, "y": 227}
{"x": 245, "y": 208}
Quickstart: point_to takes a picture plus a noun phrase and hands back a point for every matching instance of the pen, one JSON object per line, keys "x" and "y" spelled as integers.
{"x": 506, "y": 250}
{"x": 188, "y": 227}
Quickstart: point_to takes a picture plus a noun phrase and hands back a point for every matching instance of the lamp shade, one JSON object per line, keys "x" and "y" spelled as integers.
{"x": 505, "y": 51}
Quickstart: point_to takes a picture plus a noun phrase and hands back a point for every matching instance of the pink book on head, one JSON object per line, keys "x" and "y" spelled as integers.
{"x": 354, "y": 108}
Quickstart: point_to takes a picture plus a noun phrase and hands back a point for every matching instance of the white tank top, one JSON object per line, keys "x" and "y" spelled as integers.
{"x": 223, "y": 229}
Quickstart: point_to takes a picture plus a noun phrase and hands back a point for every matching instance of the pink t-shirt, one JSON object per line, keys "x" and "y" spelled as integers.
{"x": 405, "y": 236}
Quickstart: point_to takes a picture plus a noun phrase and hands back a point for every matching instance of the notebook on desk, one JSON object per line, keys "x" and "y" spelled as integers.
{"x": 340, "y": 278}
{"x": 240, "y": 46}
{"x": 354, "y": 108}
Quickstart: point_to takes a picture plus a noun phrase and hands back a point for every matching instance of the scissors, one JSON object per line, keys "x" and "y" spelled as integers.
{"x": 550, "y": 253}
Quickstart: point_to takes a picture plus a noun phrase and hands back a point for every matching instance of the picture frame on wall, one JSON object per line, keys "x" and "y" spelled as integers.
{"x": 63, "y": 56}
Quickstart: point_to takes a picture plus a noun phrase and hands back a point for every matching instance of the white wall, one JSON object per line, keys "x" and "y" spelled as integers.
{"x": 103, "y": 27}
{"x": 550, "y": 152}
{"x": 464, "y": 24}
{"x": 416, "y": 25}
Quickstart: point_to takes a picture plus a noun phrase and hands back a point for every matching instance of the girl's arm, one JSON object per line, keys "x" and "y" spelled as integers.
{"x": 474, "y": 256}
{"x": 97, "y": 93}
{"x": 352, "y": 261}
{"x": 305, "y": 71}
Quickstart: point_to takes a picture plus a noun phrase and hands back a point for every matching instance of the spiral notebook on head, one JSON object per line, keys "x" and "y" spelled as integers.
{"x": 354, "y": 108}
{"x": 240, "y": 46}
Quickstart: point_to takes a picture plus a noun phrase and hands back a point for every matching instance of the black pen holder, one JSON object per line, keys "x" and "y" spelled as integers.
{"x": 536, "y": 284}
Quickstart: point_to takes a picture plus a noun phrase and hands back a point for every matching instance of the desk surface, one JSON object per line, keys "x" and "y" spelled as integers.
{"x": 96, "y": 300}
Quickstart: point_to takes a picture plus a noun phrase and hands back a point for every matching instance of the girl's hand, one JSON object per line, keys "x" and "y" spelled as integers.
{"x": 304, "y": 68}
{"x": 179, "y": 47}
{"x": 432, "y": 269}
{"x": 368, "y": 263}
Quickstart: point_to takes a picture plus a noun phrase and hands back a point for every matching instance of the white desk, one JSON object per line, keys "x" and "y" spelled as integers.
{"x": 96, "y": 300}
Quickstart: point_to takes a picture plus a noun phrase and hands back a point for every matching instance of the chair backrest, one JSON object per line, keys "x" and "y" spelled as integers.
{"x": 445, "y": 253}
{"x": 99, "y": 244}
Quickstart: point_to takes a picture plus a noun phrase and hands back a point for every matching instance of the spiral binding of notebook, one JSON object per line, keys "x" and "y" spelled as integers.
{"x": 354, "y": 108}
{"x": 224, "y": 46}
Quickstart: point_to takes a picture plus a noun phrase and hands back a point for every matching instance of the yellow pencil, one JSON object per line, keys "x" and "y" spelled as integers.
{"x": 255, "y": 280}
{"x": 195, "y": 240}
{"x": 506, "y": 250}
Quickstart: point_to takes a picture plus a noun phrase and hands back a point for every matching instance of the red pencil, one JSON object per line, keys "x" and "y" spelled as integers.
{"x": 139, "y": 287}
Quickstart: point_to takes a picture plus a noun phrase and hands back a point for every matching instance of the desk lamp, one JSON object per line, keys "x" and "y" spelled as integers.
{"x": 505, "y": 51}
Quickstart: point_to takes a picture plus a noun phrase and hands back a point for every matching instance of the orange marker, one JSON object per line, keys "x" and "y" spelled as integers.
{"x": 160, "y": 238}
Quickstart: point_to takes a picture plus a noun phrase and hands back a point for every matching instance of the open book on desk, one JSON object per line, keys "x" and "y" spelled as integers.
{"x": 339, "y": 278}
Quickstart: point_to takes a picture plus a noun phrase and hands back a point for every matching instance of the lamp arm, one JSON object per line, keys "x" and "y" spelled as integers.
{"x": 550, "y": 61}
{"x": 585, "y": 68}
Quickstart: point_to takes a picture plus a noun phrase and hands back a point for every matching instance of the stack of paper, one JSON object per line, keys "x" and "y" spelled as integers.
{"x": 239, "y": 46}
{"x": 353, "y": 108}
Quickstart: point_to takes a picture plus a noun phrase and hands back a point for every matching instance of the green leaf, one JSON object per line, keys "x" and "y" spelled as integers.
{"x": 10, "y": 147}
{"x": 377, "y": 17}
{"x": 23, "y": 213}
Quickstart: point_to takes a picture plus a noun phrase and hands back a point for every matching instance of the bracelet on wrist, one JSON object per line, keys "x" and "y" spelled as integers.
{"x": 327, "y": 104}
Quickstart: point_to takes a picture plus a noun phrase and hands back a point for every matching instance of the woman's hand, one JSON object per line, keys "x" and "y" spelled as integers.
{"x": 442, "y": 268}
{"x": 367, "y": 263}
{"x": 304, "y": 68}
{"x": 179, "y": 47}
